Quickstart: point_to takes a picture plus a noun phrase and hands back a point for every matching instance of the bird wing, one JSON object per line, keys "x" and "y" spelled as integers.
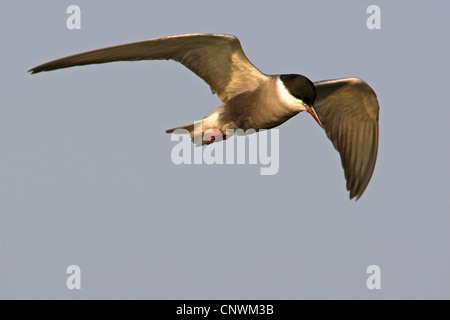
{"x": 217, "y": 59}
{"x": 348, "y": 109}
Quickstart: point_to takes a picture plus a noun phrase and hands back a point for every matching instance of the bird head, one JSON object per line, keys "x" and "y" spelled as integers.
{"x": 302, "y": 89}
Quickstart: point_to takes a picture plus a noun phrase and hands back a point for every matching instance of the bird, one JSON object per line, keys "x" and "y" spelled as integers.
{"x": 346, "y": 108}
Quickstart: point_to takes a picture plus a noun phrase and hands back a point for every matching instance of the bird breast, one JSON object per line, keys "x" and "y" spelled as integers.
{"x": 264, "y": 108}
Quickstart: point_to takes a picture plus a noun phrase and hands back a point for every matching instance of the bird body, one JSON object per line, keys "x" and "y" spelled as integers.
{"x": 266, "y": 107}
{"x": 346, "y": 108}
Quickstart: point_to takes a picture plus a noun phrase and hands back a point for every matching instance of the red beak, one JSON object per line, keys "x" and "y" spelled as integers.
{"x": 313, "y": 113}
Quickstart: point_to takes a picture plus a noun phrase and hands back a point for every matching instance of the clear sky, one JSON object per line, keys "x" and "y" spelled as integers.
{"x": 86, "y": 176}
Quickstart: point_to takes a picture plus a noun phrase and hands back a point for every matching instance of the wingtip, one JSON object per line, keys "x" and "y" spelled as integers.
{"x": 356, "y": 195}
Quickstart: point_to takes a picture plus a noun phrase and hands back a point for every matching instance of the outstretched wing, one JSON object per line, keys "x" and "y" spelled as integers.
{"x": 348, "y": 109}
{"x": 217, "y": 59}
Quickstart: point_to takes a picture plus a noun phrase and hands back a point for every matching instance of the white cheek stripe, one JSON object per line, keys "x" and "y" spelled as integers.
{"x": 288, "y": 98}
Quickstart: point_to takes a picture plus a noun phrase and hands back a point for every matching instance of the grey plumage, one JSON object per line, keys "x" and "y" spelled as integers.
{"x": 347, "y": 108}
{"x": 217, "y": 59}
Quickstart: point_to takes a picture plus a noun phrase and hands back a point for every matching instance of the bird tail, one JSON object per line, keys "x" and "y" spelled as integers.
{"x": 197, "y": 134}
{"x": 188, "y": 127}
{"x": 198, "y": 141}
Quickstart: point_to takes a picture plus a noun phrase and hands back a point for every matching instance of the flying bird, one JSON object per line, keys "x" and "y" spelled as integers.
{"x": 346, "y": 108}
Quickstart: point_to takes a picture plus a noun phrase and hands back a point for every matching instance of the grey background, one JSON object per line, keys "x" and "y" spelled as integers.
{"x": 86, "y": 176}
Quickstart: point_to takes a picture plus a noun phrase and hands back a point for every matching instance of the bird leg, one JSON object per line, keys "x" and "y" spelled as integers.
{"x": 216, "y": 135}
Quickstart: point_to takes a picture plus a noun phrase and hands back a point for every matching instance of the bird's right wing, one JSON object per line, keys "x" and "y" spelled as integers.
{"x": 348, "y": 109}
{"x": 218, "y": 59}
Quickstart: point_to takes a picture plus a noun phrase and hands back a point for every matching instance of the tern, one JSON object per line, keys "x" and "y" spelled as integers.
{"x": 347, "y": 108}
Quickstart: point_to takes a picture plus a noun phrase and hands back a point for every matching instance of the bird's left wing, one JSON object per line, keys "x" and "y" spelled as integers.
{"x": 348, "y": 109}
{"x": 218, "y": 59}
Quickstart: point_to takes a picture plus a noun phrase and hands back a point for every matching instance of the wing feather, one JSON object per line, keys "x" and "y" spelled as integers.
{"x": 218, "y": 59}
{"x": 348, "y": 109}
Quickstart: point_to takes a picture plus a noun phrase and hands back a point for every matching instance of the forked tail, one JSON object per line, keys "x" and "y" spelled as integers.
{"x": 189, "y": 127}
{"x": 200, "y": 137}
